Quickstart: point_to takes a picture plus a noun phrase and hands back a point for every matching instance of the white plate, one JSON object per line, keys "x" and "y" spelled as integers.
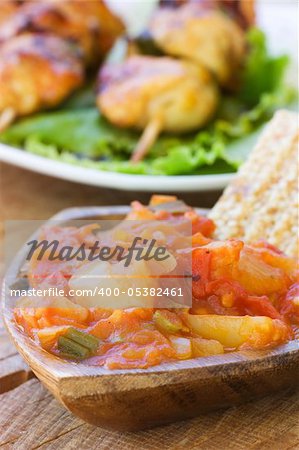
{"x": 276, "y": 17}
{"x": 183, "y": 183}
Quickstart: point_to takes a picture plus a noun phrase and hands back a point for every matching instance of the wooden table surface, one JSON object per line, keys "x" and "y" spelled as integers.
{"x": 31, "y": 418}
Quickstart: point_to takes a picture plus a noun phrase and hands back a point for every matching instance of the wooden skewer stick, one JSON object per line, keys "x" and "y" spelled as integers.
{"x": 147, "y": 139}
{"x": 6, "y": 118}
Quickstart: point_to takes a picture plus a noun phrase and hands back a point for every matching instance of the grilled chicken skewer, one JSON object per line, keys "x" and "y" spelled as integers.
{"x": 87, "y": 23}
{"x": 37, "y": 71}
{"x": 202, "y": 33}
{"x": 45, "y": 49}
{"x": 155, "y": 94}
{"x": 241, "y": 11}
{"x": 164, "y": 94}
{"x": 7, "y": 9}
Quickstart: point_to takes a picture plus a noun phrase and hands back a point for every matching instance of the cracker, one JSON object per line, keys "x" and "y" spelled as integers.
{"x": 262, "y": 201}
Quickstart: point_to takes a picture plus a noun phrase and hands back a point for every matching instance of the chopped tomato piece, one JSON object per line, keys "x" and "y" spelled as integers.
{"x": 289, "y": 304}
{"x": 201, "y": 262}
{"x": 201, "y": 224}
{"x": 160, "y": 199}
{"x": 260, "y": 306}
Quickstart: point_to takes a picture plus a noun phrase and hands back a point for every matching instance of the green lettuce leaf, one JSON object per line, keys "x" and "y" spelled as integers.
{"x": 262, "y": 73}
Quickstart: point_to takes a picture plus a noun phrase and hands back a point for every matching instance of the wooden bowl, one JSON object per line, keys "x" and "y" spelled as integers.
{"x": 143, "y": 398}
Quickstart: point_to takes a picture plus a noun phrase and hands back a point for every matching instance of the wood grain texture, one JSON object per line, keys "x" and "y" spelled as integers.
{"x": 13, "y": 370}
{"x": 269, "y": 424}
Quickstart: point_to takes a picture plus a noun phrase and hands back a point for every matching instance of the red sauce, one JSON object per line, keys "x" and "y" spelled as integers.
{"x": 244, "y": 296}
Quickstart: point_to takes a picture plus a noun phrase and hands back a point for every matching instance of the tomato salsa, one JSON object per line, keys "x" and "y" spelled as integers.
{"x": 244, "y": 296}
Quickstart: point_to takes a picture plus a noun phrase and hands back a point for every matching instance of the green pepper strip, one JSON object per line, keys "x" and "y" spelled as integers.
{"x": 71, "y": 349}
{"x": 84, "y": 339}
{"x": 76, "y": 344}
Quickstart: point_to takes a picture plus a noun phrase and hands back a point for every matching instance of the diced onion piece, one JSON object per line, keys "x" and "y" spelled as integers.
{"x": 48, "y": 336}
{"x": 163, "y": 265}
{"x": 234, "y": 331}
{"x": 258, "y": 277}
{"x": 206, "y": 347}
{"x": 182, "y": 347}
